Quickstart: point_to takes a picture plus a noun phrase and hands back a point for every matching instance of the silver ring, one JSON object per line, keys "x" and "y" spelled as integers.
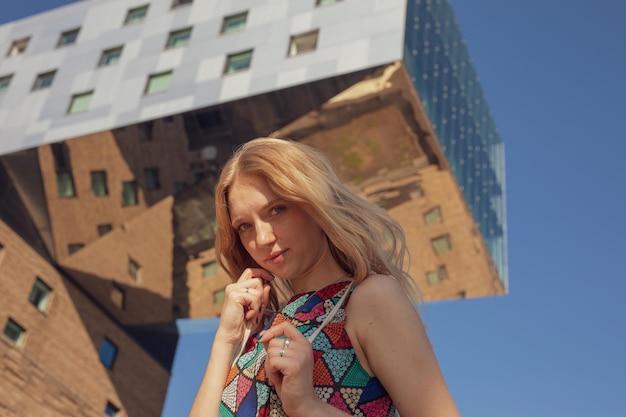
{"x": 282, "y": 352}
{"x": 247, "y": 290}
{"x": 286, "y": 343}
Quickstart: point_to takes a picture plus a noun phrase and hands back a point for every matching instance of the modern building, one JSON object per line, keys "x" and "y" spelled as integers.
{"x": 115, "y": 118}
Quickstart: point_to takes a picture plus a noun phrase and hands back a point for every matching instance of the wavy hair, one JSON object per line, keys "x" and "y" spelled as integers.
{"x": 363, "y": 238}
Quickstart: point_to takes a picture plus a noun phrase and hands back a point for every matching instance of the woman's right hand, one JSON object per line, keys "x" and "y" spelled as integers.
{"x": 244, "y": 301}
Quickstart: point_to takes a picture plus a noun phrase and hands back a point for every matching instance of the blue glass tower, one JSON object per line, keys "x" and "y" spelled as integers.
{"x": 446, "y": 81}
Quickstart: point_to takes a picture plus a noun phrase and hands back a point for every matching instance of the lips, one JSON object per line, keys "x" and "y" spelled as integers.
{"x": 276, "y": 257}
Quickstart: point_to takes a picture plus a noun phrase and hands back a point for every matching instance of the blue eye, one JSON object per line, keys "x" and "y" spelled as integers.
{"x": 243, "y": 227}
{"x": 277, "y": 210}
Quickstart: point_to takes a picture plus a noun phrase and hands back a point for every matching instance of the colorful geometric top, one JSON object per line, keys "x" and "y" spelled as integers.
{"x": 339, "y": 378}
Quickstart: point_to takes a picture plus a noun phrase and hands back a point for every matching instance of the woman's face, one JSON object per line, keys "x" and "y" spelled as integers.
{"x": 279, "y": 235}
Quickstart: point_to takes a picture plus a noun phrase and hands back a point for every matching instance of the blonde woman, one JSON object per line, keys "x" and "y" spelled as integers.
{"x": 319, "y": 319}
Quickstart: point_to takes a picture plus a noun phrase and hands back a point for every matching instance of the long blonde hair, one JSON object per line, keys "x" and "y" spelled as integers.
{"x": 362, "y": 237}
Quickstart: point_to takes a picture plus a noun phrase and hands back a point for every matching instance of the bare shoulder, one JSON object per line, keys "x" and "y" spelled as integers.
{"x": 378, "y": 291}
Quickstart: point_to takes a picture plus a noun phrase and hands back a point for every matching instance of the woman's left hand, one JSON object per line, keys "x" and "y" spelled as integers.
{"x": 289, "y": 367}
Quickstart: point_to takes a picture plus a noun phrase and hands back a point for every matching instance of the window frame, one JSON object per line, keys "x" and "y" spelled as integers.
{"x": 70, "y": 183}
{"x": 134, "y": 190}
{"x": 44, "y": 76}
{"x": 138, "y": 9}
{"x": 77, "y": 98}
{"x": 5, "y": 82}
{"x": 153, "y": 174}
{"x": 320, "y": 3}
{"x": 180, "y": 3}
{"x": 107, "y": 53}
{"x": 153, "y": 78}
{"x": 100, "y": 228}
{"x": 106, "y": 342}
{"x": 20, "y": 340}
{"x": 96, "y": 177}
{"x": 171, "y": 38}
{"x": 69, "y": 37}
{"x": 18, "y": 47}
{"x": 134, "y": 269}
{"x": 293, "y": 51}
{"x": 233, "y": 17}
{"x": 433, "y": 216}
{"x": 41, "y": 302}
{"x": 440, "y": 251}
{"x": 237, "y": 55}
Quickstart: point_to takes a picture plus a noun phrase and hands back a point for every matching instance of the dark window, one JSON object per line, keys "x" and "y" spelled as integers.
{"x": 44, "y": 80}
{"x": 144, "y": 131}
{"x": 177, "y": 3}
{"x": 40, "y": 295}
{"x": 111, "y": 410}
{"x": 136, "y": 15}
{"x": 129, "y": 193}
{"x": 323, "y": 2}
{"x": 436, "y": 276}
{"x": 63, "y": 168}
{"x": 65, "y": 185}
{"x": 238, "y": 62}
{"x": 68, "y": 38}
{"x": 74, "y": 247}
{"x": 15, "y": 332}
{"x": 99, "y": 183}
{"x": 5, "y": 82}
{"x": 151, "y": 178}
{"x": 178, "y": 38}
{"x": 234, "y": 23}
{"x": 103, "y": 229}
{"x": 110, "y": 56}
{"x": 108, "y": 352}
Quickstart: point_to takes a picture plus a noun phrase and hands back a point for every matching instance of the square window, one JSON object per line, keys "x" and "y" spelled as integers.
{"x": 158, "y": 83}
{"x": 209, "y": 269}
{"x": 218, "y": 296}
{"x": 99, "y": 183}
{"x": 44, "y": 80}
{"x": 74, "y": 247}
{"x": 238, "y": 62}
{"x": 18, "y": 47}
{"x": 178, "y": 38}
{"x": 151, "y": 178}
{"x": 111, "y": 410}
{"x": 305, "y": 42}
{"x": 179, "y": 187}
{"x": 80, "y": 102}
{"x": 118, "y": 296}
{"x": 68, "y": 38}
{"x": 108, "y": 352}
{"x": 40, "y": 295}
{"x": 178, "y": 3}
{"x": 441, "y": 244}
{"x": 65, "y": 184}
{"x": 324, "y": 2}
{"x": 15, "y": 332}
{"x": 134, "y": 269}
{"x": 144, "y": 131}
{"x": 103, "y": 229}
{"x": 433, "y": 216}
{"x": 129, "y": 193}
{"x": 110, "y": 56}
{"x": 136, "y": 15}
{"x": 5, "y": 81}
{"x": 436, "y": 276}
{"x": 234, "y": 23}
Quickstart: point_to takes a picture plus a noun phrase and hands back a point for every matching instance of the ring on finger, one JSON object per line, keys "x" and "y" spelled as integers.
{"x": 247, "y": 290}
{"x": 282, "y": 352}
{"x": 286, "y": 343}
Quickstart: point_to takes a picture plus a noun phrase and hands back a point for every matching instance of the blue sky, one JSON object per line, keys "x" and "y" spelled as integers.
{"x": 554, "y": 73}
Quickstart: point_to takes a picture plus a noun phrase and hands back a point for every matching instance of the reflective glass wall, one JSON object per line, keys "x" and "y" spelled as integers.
{"x": 441, "y": 69}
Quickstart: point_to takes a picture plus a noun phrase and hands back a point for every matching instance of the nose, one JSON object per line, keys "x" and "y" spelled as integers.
{"x": 264, "y": 234}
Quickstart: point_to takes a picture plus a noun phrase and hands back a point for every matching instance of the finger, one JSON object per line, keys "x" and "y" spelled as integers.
{"x": 285, "y": 329}
{"x": 251, "y": 273}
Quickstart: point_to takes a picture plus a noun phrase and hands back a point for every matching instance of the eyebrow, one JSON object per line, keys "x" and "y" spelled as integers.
{"x": 236, "y": 220}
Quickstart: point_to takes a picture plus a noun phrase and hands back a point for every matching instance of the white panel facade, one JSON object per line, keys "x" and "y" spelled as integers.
{"x": 353, "y": 35}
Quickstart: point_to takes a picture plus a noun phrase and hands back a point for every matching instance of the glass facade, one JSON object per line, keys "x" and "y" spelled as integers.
{"x": 446, "y": 81}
